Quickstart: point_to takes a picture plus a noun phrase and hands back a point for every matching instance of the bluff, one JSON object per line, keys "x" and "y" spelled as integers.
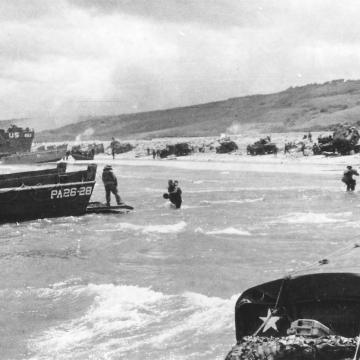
{"x": 310, "y": 107}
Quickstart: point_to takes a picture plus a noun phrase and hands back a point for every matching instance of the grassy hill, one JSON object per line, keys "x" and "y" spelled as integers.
{"x": 310, "y": 107}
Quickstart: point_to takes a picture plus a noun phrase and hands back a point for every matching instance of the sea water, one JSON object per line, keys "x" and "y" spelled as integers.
{"x": 161, "y": 283}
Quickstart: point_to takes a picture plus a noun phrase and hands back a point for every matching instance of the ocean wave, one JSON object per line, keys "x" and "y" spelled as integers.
{"x": 226, "y": 231}
{"x": 207, "y": 315}
{"x": 232, "y": 201}
{"x": 184, "y": 207}
{"x": 71, "y": 287}
{"x": 123, "y": 318}
{"x": 148, "y": 229}
{"x": 262, "y": 188}
{"x": 313, "y": 218}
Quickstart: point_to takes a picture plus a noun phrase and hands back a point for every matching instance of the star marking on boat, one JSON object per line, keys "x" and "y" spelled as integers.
{"x": 269, "y": 321}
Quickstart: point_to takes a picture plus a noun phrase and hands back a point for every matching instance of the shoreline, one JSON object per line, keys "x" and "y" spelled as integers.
{"x": 317, "y": 164}
{"x": 295, "y": 162}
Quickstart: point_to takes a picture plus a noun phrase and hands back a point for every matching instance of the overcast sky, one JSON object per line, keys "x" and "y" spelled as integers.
{"x": 63, "y": 58}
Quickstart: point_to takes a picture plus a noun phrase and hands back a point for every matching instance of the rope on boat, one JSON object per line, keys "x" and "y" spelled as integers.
{"x": 325, "y": 260}
{"x": 357, "y": 348}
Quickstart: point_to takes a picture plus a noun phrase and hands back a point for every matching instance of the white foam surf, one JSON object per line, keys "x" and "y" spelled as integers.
{"x": 149, "y": 229}
{"x": 226, "y": 231}
{"x": 122, "y": 319}
{"x": 261, "y": 188}
{"x": 233, "y": 201}
{"x": 313, "y": 218}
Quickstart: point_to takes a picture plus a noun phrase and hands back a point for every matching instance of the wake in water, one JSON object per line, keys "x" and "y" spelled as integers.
{"x": 127, "y": 319}
{"x": 147, "y": 229}
{"x": 314, "y": 218}
{"x": 232, "y": 201}
{"x": 226, "y": 231}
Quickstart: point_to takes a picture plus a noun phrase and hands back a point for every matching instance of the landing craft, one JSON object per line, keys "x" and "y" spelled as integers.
{"x": 50, "y": 193}
{"x": 311, "y": 314}
{"x": 45, "y": 193}
{"x": 15, "y": 139}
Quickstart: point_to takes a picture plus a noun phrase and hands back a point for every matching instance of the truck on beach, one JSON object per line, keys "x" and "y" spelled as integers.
{"x": 262, "y": 147}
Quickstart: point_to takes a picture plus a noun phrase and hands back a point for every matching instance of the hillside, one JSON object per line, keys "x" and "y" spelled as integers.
{"x": 310, "y": 107}
{"x": 23, "y": 122}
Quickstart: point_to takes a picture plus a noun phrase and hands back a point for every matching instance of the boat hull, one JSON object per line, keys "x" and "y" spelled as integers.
{"x": 51, "y": 200}
{"x": 36, "y": 157}
{"x": 15, "y": 139}
{"x": 86, "y": 155}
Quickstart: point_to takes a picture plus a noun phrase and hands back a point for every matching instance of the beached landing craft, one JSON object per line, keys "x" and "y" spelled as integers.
{"x": 81, "y": 154}
{"x": 36, "y": 157}
{"x": 15, "y": 139}
{"x": 45, "y": 193}
{"x": 314, "y": 314}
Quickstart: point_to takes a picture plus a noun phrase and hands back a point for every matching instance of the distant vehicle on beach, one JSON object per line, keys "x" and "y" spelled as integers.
{"x": 343, "y": 141}
{"x": 262, "y": 147}
{"x": 81, "y": 154}
{"x": 15, "y": 139}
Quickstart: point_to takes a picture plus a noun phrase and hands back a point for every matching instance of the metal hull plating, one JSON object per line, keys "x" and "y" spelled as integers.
{"x": 15, "y": 139}
{"x": 35, "y": 157}
{"x": 52, "y": 200}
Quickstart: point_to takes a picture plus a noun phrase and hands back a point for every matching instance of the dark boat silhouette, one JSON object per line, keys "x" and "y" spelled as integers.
{"x": 45, "y": 193}
{"x": 15, "y": 139}
{"x": 314, "y": 313}
{"x": 35, "y": 157}
{"x": 80, "y": 154}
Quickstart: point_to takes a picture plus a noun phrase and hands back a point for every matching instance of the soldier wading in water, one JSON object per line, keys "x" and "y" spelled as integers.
{"x": 174, "y": 193}
{"x": 348, "y": 178}
{"x": 110, "y": 182}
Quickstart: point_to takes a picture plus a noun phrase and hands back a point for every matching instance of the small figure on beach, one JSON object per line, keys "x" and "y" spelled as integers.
{"x": 303, "y": 147}
{"x": 286, "y": 148}
{"x": 348, "y": 178}
{"x": 110, "y": 182}
{"x": 174, "y": 193}
{"x": 310, "y": 136}
{"x": 113, "y": 147}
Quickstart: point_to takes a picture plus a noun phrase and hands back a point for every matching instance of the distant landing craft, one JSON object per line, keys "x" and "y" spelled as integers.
{"x": 15, "y": 140}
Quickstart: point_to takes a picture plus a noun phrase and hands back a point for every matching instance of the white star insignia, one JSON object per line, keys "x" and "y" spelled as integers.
{"x": 269, "y": 321}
